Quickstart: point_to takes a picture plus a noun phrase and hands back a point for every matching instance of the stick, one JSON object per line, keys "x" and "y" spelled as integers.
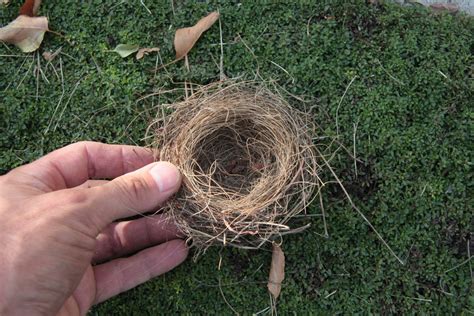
{"x": 339, "y": 105}
{"x": 359, "y": 211}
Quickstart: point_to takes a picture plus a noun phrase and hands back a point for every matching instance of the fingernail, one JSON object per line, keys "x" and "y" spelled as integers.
{"x": 166, "y": 176}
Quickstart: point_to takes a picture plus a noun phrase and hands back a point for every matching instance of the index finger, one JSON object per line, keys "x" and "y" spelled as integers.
{"x": 125, "y": 237}
{"x": 76, "y": 163}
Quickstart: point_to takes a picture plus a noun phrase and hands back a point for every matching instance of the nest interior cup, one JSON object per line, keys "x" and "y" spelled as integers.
{"x": 247, "y": 159}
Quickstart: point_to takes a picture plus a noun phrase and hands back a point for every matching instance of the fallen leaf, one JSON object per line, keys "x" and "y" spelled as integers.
{"x": 448, "y": 7}
{"x": 185, "y": 38}
{"x": 5, "y": 2}
{"x": 48, "y": 56}
{"x": 415, "y": 2}
{"x": 30, "y": 7}
{"x": 25, "y": 32}
{"x": 125, "y": 50}
{"x": 145, "y": 51}
{"x": 277, "y": 271}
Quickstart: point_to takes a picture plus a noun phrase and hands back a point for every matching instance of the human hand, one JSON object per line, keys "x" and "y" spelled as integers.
{"x": 54, "y": 226}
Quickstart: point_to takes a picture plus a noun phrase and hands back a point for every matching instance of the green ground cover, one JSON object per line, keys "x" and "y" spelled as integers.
{"x": 411, "y": 100}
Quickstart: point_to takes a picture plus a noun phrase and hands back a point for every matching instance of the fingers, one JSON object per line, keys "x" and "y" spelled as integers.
{"x": 74, "y": 164}
{"x": 123, "y": 274}
{"x": 92, "y": 183}
{"x": 134, "y": 193}
{"x": 123, "y": 238}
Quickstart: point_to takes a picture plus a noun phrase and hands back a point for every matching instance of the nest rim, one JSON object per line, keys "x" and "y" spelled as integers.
{"x": 248, "y": 162}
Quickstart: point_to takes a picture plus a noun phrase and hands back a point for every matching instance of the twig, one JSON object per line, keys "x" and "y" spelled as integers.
{"x": 67, "y": 55}
{"x": 442, "y": 74}
{"x": 67, "y": 103}
{"x": 16, "y": 73}
{"x": 331, "y": 294}
{"x": 284, "y": 70}
{"x": 144, "y": 5}
{"x": 262, "y": 311}
{"x": 326, "y": 233}
{"x": 158, "y": 58}
{"x": 398, "y": 81}
{"x": 60, "y": 98}
{"x": 340, "y": 102}
{"x": 359, "y": 211}
{"x": 225, "y": 300}
{"x": 419, "y": 299}
{"x": 186, "y": 63}
{"x": 354, "y": 145}
{"x": 459, "y": 265}
{"x": 6, "y": 46}
{"x": 99, "y": 70}
{"x": 37, "y": 76}
{"x": 26, "y": 73}
{"x": 118, "y": 4}
{"x": 307, "y": 25}
{"x": 172, "y": 7}
{"x": 251, "y": 52}
{"x": 273, "y": 305}
{"x": 220, "y": 262}
{"x": 17, "y": 56}
{"x": 307, "y": 215}
{"x": 221, "y": 63}
{"x": 469, "y": 257}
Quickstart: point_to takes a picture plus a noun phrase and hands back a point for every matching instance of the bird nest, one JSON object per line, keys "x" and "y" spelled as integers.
{"x": 247, "y": 159}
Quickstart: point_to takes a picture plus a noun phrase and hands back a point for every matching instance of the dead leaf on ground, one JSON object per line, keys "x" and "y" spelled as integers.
{"x": 48, "y": 56}
{"x": 125, "y": 50}
{"x": 448, "y": 7}
{"x": 30, "y": 7}
{"x": 25, "y": 32}
{"x": 185, "y": 38}
{"x": 145, "y": 51}
{"x": 277, "y": 271}
{"x": 5, "y": 2}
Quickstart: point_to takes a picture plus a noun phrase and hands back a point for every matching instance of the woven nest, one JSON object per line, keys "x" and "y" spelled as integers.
{"x": 247, "y": 159}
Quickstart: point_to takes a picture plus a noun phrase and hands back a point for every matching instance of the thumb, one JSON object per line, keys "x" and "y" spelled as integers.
{"x": 135, "y": 193}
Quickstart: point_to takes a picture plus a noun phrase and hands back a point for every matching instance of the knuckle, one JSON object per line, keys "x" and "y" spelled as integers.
{"x": 117, "y": 245}
{"x": 82, "y": 143}
{"x": 134, "y": 188}
{"x": 4, "y": 180}
{"x": 76, "y": 197}
{"x": 9, "y": 177}
{"x": 76, "y": 207}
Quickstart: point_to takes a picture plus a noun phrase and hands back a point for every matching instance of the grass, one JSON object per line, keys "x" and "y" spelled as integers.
{"x": 411, "y": 100}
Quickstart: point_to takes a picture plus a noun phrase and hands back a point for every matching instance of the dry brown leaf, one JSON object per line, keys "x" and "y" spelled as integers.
{"x": 277, "y": 271}
{"x": 5, "y": 2}
{"x": 448, "y": 7}
{"x": 30, "y": 7}
{"x": 145, "y": 51}
{"x": 185, "y": 38}
{"x": 48, "y": 56}
{"x": 25, "y": 32}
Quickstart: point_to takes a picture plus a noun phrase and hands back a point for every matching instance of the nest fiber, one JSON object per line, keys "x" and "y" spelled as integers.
{"x": 247, "y": 159}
